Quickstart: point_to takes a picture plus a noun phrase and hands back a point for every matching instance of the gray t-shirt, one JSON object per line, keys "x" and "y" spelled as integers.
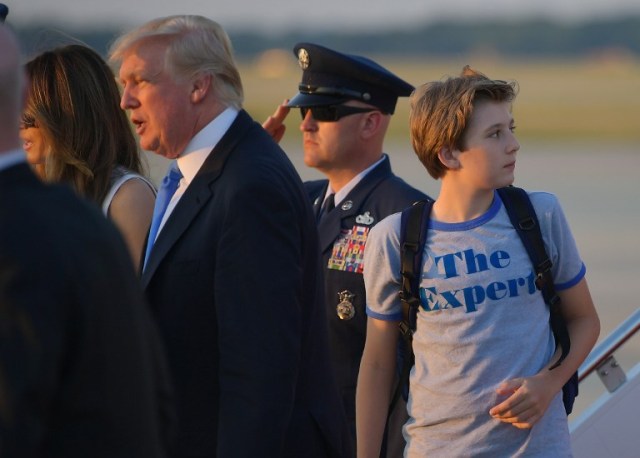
{"x": 481, "y": 322}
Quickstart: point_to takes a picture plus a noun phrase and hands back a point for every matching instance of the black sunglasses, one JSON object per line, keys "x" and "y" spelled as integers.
{"x": 332, "y": 113}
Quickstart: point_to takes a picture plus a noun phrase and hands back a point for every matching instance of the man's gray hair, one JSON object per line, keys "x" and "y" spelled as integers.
{"x": 195, "y": 45}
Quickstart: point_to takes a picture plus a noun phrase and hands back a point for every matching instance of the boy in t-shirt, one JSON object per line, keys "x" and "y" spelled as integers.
{"x": 481, "y": 384}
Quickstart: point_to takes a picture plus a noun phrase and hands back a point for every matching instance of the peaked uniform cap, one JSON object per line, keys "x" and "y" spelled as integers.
{"x": 331, "y": 78}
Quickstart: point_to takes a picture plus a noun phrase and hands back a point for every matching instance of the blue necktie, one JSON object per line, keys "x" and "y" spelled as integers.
{"x": 167, "y": 190}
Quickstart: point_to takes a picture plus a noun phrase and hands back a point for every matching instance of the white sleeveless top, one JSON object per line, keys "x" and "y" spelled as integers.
{"x": 119, "y": 177}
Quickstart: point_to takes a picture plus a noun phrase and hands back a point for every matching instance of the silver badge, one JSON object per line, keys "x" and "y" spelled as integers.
{"x": 345, "y": 308}
{"x": 347, "y": 205}
{"x": 303, "y": 58}
{"x": 365, "y": 218}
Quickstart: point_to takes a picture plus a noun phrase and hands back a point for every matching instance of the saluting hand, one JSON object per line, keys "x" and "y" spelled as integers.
{"x": 274, "y": 125}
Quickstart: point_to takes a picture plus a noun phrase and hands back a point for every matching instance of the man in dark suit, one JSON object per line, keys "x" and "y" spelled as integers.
{"x": 233, "y": 275}
{"x": 346, "y": 103}
{"x": 81, "y": 368}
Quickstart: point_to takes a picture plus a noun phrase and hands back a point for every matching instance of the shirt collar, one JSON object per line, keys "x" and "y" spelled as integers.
{"x": 203, "y": 143}
{"x": 344, "y": 192}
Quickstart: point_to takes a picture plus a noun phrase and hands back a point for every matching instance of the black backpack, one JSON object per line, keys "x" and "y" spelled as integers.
{"x": 413, "y": 234}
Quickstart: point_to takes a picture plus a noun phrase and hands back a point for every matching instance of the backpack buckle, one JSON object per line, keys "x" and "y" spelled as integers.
{"x": 413, "y": 246}
{"x": 545, "y": 266}
{"x": 405, "y": 329}
{"x": 543, "y": 273}
{"x": 408, "y": 298}
{"x": 527, "y": 224}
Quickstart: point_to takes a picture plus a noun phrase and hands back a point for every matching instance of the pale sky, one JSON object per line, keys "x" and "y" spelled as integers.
{"x": 274, "y": 15}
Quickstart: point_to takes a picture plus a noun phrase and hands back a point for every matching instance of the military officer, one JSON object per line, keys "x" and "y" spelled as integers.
{"x": 346, "y": 102}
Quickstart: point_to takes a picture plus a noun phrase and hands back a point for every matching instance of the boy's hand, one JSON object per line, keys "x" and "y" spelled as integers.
{"x": 527, "y": 401}
{"x": 274, "y": 125}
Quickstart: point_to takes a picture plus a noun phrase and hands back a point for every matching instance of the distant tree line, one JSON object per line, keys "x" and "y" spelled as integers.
{"x": 534, "y": 37}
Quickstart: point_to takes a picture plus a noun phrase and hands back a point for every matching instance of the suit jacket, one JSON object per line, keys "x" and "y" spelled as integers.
{"x": 81, "y": 370}
{"x": 343, "y": 233}
{"x": 234, "y": 282}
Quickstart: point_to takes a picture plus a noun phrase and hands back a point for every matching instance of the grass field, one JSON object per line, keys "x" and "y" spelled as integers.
{"x": 587, "y": 99}
{"x": 566, "y": 104}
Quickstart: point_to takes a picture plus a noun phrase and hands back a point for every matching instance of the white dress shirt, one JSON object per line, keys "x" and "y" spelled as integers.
{"x": 340, "y": 195}
{"x": 196, "y": 152}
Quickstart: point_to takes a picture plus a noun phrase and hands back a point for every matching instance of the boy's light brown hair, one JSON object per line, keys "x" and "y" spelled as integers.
{"x": 440, "y": 112}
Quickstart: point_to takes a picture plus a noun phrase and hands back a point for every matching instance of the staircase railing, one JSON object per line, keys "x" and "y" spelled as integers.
{"x": 601, "y": 358}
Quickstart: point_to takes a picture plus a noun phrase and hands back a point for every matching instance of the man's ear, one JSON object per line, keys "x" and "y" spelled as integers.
{"x": 200, "y": 87}
{"x": 449, "y": 158}
{"x": 372, "y": 123}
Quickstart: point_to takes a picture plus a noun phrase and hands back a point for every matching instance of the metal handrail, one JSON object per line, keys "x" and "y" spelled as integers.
{"x": 613, "y": 341}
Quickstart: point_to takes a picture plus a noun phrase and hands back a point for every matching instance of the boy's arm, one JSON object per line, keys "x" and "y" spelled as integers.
{"x": 530, "y": 397}
{"x": 375, "y": 382}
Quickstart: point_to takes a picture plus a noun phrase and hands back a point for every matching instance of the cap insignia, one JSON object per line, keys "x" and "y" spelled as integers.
{"x": 303, "y": 58}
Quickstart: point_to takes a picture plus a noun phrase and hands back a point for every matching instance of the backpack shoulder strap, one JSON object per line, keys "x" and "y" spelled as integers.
{"x": 414, "y": 222}
{"x": 524, "y": 219}
{"x": 413, "y": 235}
